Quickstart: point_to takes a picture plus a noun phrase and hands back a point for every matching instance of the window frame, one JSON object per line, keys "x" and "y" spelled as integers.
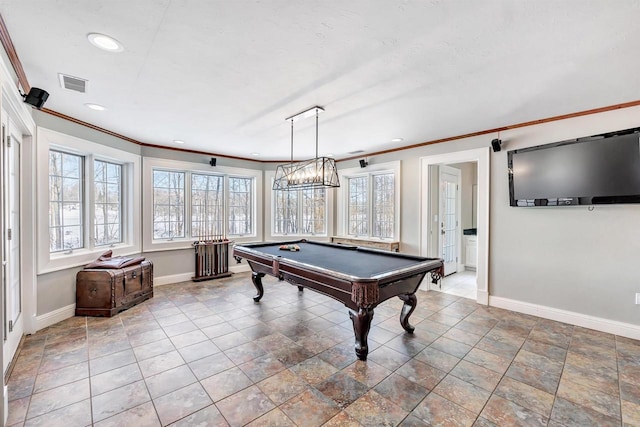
{"x": 120, "y": 203}
{"x": 270, "y": 213}
{"x": 47, "y": 140}
{"x": 149, "y": 164}
{"x": 343, "y": 198}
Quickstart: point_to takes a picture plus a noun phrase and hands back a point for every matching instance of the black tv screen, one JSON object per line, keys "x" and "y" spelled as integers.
{"x": 601, "y": 169}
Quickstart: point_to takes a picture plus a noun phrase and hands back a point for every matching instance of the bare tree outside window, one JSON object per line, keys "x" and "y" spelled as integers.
{"x": 358, "y": 206}
{"x": 314, "y": 208}
{"x": 65, "y": 202}
{"x": 168, "y": 204}
{"x": 107, "y": 184}
{"x": 285, "y": 212}
{"x": 240, "y": 206}
{"x": 207, "y": 205}
{"x": 383, "y": 205}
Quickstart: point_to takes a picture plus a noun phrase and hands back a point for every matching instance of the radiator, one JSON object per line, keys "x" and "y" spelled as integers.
{"x": 212, "y": 259}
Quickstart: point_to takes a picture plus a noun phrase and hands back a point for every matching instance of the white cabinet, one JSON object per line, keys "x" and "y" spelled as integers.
{"x": 471, "y": 251}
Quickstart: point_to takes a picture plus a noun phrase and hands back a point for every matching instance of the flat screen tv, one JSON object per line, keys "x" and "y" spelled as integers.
{"x": 600, "y": 169}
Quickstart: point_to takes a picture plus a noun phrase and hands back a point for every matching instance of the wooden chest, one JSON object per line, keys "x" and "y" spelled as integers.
{"x": 105, "y": 292}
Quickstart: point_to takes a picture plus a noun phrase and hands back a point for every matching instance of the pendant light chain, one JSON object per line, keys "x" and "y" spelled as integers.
{"x": 316, "y": 132}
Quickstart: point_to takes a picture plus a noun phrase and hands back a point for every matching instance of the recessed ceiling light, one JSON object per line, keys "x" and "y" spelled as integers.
{"x": 397, "y": 140}
{"x": 329, "y": 155}
{"x": 105, "y": 42}
{"x": 255, "y": 154}
{"x": 96, "y": 107}
{"x": 178, "y": 141}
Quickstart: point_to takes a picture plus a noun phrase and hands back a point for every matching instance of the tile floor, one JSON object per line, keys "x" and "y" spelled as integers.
{"x": 206, "y": 354}
{"x": 462, "y": 284}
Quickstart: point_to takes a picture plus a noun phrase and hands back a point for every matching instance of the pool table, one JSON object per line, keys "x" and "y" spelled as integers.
{"x": 358, "y": 277}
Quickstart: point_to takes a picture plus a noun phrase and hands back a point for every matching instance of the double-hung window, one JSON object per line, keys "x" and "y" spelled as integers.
{"x": 300, "y": 212}
{"x": 89, "y": 196}
{"x": 370, "y": 202}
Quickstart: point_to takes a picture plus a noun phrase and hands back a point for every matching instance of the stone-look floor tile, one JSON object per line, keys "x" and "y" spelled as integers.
{"x": 245, "y": 406}
{"x": 340, "y": 355}
{"x": 438, "y": 411}
{"x": 399, "y": 390}
{"x": 567, "y": 413}
{"x": 18, "y": 410}
{"x": 226, "y": 383}
{"x": 451, "y": 347}
{"x": 162, "y": 362}
{"x": 108, "y": 346}
{"x": 19, "y": 388}
{"x": 535, "y": 378}
{"x": 550, "y": 351}
{"x": 53, "y": 379}
{"x": 499, "y": 348}
{"x": 272, "y": 418}
{"x": 292, "y": 355}
{"x": 421, "y": 373}
{"x": 217, "y": 330}
{"x": 75, "y": 415}
{"x": 629, "y": 371}
{"x": 603, "y": 379}
{"x": 188, "y": 338}
{"x": 209, "y": 416}
{"x": 58, "y": 397}
{"x": 314, "y": 370}
{"x": 228, "y": 341}
{"x": 488, "y": 360}
{"x": 112, "y": 361}
{"x": 462, "y": 336}
{"x": 630, "y": 392}
{"x": 205, "y": 322}
{"x": 147, "y": 351}
{"x": 590, "y": 398}
{"x": 317, "y": 343}
{"x": 262, "y": 367}
{"x": 197, "y": 351}
{"x": 343, "y": 419}
{"x": 483, "y": 422}
{"x": 591, "y": 361}
{"x": 180, "y": 403}
{"x": 168, "y": 381}
{"x": 630, "y": 413}
{"x": 558, "y": 339}
{"x": 367, "y": 372}
{"x": 115, "y": 401}
{"x": 373, "y": 409}
{"x": 115, "y": 378}
{"x": 282, "y": 386}
{"x": 62, "y": 360}
{"x": 539, "y": 362}
{"x": 244, "y": 352}
{"x": 470, "y": 397}
{"x": 342, "y": 389}
{"x": 388, "y": 358}
{"x": 140, "y": 416}
{"x": 591, "y": 350}
{"x": 526, "y": 396}
{"x": 476, "y": 375}
{"x": 438, "y": 359}
{"x": 412, "y": 421}
{"x": 310, "y": 408}
{"x": 504, "y": 412}
{"x": 406, "y": 344}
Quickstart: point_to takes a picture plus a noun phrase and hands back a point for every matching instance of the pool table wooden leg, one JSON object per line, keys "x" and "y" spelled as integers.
{"x": 256, "y": 278}
{"x": 361, "y": 325}
{"x": 410, "y": 302}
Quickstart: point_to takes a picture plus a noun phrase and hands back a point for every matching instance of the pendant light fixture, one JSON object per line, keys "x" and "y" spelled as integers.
{"x": 319, "y": 172}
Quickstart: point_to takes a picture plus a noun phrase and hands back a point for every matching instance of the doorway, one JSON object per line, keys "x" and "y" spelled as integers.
{"x": 470, "y": 278}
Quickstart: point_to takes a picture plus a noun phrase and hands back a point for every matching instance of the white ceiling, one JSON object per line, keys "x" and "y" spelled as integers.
{"x": 223, "y": 75}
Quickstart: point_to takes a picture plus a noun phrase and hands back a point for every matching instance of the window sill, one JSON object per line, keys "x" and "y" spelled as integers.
{"x": 81, "y": 257}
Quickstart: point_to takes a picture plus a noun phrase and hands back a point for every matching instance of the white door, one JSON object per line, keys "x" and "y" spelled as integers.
{"x": 449, "y": 184}
{"x": 12, "y": 283}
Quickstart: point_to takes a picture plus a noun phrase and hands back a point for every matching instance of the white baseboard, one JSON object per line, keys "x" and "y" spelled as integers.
{"x": 584, "y": 320}
{"x": 483, "y": 297}
{"x": 54, "y": 316}
{"x": 173, "y": 278}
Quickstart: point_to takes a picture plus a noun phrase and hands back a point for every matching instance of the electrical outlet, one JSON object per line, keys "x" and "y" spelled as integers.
{"x": 638, "y": 298}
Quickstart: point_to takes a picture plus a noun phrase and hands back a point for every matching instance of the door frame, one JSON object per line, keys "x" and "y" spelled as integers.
{"x": 481, "y": 156}
{"x": 458, "y": 239}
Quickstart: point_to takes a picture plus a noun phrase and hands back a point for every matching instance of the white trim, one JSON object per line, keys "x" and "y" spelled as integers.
{"x": 343, "y": 195}
{"x": 131, "y": 164}
{"x": 54, "y": 317}
{"x": 480, "y": 155}
{"x": 584, "y": 320}
{"x": 482, "y": 297}
{"x": 151, "y": 163}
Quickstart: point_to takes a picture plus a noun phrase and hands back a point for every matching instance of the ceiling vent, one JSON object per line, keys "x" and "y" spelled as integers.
{"x": 73, "y": 83}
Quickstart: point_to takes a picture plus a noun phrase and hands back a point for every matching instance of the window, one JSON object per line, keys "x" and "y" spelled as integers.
{"x": 88, "y": 197}
{"x": 107, "y": 208}
{"x": 300, "y": 211}
{"x": 207, "y": 206}
{"x": 168, "y": 204}
{"x": 192, "y": 202}
{"x": 240, "y": 208}
{"x": 370, "y": 202}
{"x": 65, "y": 202}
